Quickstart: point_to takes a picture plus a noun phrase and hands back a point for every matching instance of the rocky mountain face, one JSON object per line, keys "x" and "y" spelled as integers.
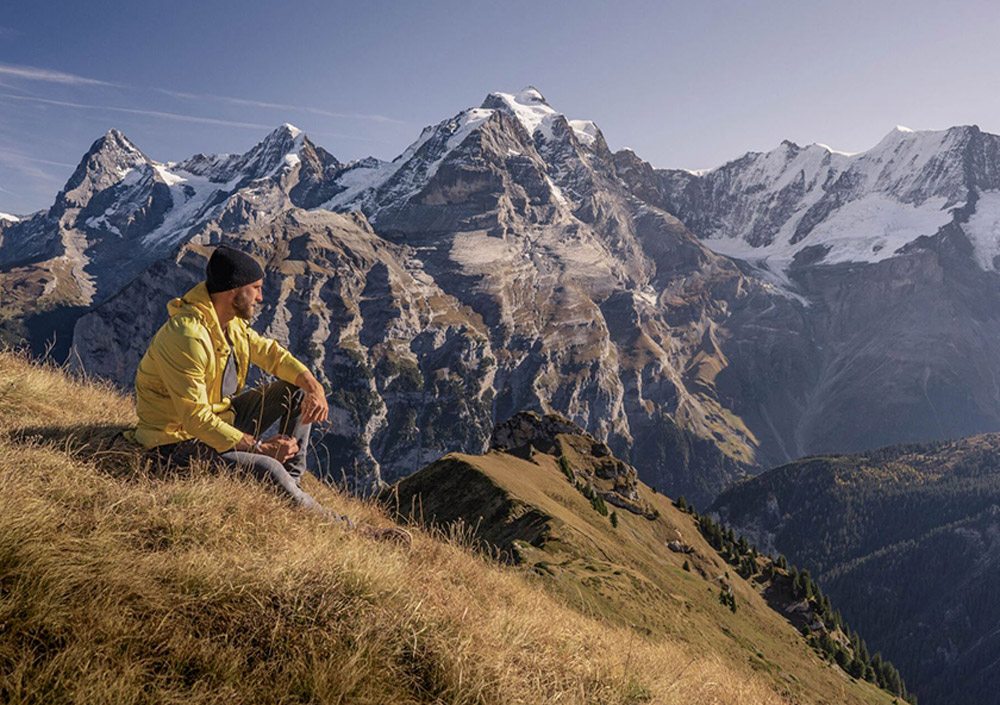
{"x": 906, "y": 540}
{"x": 892, "y": 251}
{"x": 508, "y": 261}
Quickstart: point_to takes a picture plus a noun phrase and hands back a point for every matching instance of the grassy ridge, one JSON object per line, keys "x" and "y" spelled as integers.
{"x": 119, "y": 583}
{"x": 528, "y": 509}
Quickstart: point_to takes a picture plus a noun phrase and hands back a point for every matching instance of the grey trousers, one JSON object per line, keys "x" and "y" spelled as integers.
{"x": 256, "y": 411}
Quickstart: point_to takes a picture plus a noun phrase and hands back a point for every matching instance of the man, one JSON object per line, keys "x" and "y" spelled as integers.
{"x": 189, "y": 386}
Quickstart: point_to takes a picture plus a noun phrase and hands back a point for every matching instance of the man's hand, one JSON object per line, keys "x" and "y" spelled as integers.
{"x": 279, "y": 447}
{"x": 314, "y": 406}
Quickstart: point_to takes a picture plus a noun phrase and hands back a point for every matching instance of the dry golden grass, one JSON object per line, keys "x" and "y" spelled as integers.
{"x": 122, "y": 584}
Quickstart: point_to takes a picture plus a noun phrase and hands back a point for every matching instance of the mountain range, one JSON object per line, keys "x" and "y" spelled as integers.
{"x": 706, "y": 325}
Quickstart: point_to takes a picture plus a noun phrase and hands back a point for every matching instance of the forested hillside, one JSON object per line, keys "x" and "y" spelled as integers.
{"x": 906, "y": 540}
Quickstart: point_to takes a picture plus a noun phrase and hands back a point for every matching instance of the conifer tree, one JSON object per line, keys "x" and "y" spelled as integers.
{"x": 879, "y": 668}
{"x": 856, "y": 668}
{"x": 796, "y": 584}
{"x": 826, "y": 644}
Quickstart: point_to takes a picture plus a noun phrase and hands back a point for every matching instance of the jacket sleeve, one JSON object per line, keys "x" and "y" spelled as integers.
{"x": 183, "y": 361}
{"x": 272, "y": 358}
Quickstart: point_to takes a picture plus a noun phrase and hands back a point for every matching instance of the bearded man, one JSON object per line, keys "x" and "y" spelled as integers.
{"x": 190, "y": 395}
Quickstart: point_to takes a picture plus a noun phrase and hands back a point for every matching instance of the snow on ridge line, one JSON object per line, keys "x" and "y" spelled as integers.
{"x": 529, "y": 106}
{"x": 868, "y": 230}
{"x": 362, "y": 179}
{"x": 586, "y": 130}
{"x": 831, "y": 150}
{"x": 897, "y": 135}
{"x": 8, "y": 216}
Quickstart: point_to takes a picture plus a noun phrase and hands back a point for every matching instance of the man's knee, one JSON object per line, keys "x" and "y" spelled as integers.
{"x": 264, "y": 467}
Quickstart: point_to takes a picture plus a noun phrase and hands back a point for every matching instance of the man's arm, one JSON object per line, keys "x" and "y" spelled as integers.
{"x": 271, "y": 357}
{"x": 279, "y": 447}
{"x": 268, "y": 355}
{"x": 314, "y": 406}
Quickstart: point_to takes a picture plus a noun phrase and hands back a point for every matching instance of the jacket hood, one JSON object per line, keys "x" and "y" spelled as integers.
{"x": 196, "y": 301}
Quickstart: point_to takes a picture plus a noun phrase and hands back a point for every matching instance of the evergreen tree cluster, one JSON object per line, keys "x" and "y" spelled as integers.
{"x": 853, "y": 658}
{"x": 587, "y": 490}
{"x": 886, "y": 532}
{"x": 734, "y": 550}
{"x": 856, "y": 660}
{"x": 727, "y": 597}
{"x": 596, "y": 501}
{"x": 566, "y": 469}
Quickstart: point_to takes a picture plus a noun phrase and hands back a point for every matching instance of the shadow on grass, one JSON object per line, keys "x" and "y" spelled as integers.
{"x": 779, "y": 598}
{"x": 101, "y": 445}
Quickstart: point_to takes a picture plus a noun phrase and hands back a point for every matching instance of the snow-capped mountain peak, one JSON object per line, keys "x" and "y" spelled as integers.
{"x": 527, "y": 105}
{"x": 109, "y": 160}
{"x": 290, "y": 128}
{"x": 373, "y": 186}
{"x": 532, "y": 110}
{"x": 281, "y": 146}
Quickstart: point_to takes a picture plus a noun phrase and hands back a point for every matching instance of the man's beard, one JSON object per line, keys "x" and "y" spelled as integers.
{"x": 243, "y": 308}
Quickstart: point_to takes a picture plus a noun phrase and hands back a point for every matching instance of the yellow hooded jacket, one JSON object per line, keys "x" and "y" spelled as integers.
{"x": 178, "y": 386}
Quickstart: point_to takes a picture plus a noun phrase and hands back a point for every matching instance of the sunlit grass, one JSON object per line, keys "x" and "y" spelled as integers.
{"x": 120, "y": 583}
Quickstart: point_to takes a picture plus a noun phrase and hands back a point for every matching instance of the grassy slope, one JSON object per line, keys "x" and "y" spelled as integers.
{"x": 628, "y": 576}
{"x": 122, "y": 584}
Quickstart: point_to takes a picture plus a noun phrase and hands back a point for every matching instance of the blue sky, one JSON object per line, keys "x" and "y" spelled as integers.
{"x": 685, "y": 84}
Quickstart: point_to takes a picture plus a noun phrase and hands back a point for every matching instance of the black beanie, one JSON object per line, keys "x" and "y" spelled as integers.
{"x": 230, "y": 269}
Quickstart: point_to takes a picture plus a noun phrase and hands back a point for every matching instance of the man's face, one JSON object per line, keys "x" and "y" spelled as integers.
{"x": 246, "y": 298}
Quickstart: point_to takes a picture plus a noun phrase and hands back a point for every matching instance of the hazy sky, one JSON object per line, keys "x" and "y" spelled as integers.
{"x": 685, "y": 84}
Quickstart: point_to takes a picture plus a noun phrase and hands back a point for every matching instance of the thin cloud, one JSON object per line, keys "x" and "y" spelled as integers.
{"x": 26, "y": 165}
{"x": 281, "y": 106}
{"x": 33, "y": 73}
{"x": 136, "y": 111}
{"x": 174, "y": 116}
